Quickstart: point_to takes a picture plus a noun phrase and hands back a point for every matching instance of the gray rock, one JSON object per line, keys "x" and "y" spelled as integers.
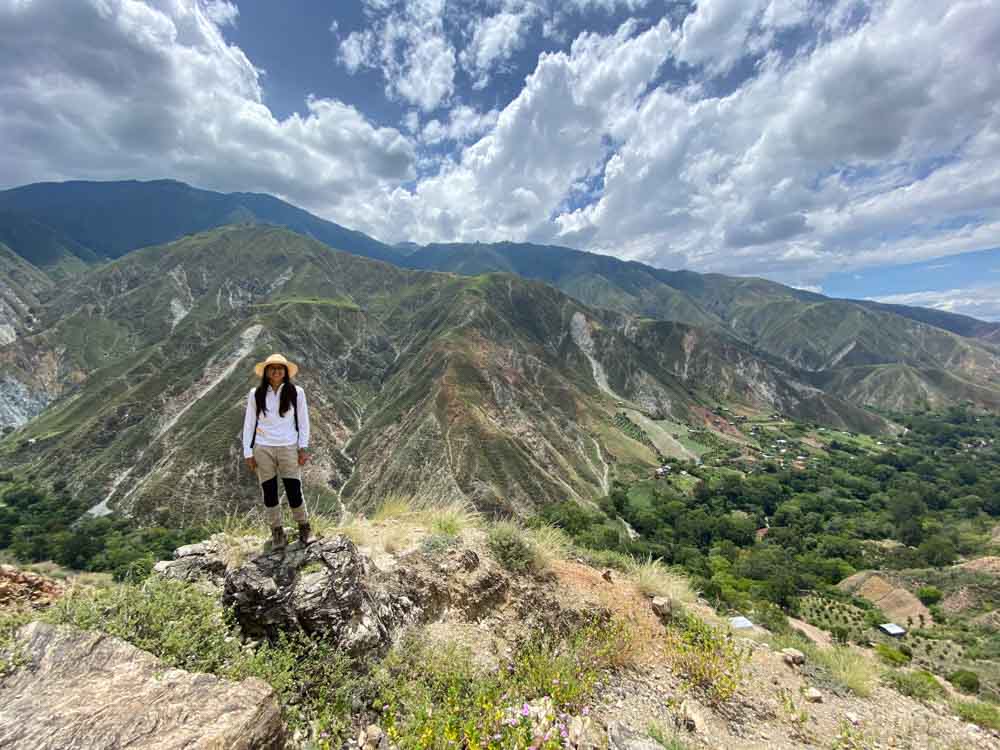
{"x": 323, "y": 589}
{"x": 193, "y": 562}
{"x": 793, "y": 656}
{"x": 666, "y": 609}
{"x": 813, "y": 695}
{"x": 80, "y": 690}
{"x": 621, "y": 737}
{"x": 690, "y": 716}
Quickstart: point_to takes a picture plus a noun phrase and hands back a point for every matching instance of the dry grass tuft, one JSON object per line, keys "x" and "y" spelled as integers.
{"x": 653, "y": 578}
{"x": 550, "y": 543}
{"x": 450, "y": 518}
{"x": 395, "y": 508}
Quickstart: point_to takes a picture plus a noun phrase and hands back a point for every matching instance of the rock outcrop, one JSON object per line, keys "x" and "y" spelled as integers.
{"x": 21, "y": 588}
{"x": 76, "y": 689}
{"x": 323, "y": 588}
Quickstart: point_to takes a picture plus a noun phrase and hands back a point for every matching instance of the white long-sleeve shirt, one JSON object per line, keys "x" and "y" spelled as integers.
{"x": 274, "y": 430}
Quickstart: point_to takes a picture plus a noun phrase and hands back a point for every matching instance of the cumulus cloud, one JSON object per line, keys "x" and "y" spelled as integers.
{"x": 463, "y": 124}
{"x": 408, "y": 44}
{"x": 116, "y": 89}
{"x": 494, "y": 39}
{"x": 786, "y": 138}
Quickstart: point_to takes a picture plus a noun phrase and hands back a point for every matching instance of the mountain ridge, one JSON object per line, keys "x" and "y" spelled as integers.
{"x": 494, "y": 388}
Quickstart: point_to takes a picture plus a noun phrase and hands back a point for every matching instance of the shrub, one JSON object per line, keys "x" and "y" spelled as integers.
{"x": 707, "y": 658}
{"x": 890, "y": 655}
{"x": 965, "y": 680}
{"x": 433, "y": 696}
{"x": 511, "y": 546}
{"x": 916, "y": 684}
{"x": 847, "y": 667}
{"x": 437, "y": 543}
{"x": 983, "y": 714}
{"x": 929, "y": 595}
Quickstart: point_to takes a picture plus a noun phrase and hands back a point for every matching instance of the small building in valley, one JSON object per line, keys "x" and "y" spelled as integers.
{"x": 891, "y": 628}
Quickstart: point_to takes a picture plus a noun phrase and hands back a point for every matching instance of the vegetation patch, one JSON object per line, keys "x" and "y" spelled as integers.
{"x": 984, "y": 714}
{"x": 708, "y": 659}
{"x": 511, "y": 546}
{"x": 188, "y": 629}
{"x": 918, "y": 684}
{"x": 434, "y": 697}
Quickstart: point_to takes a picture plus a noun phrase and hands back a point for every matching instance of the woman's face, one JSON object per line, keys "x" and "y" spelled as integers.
{"x": 275, "y": 374}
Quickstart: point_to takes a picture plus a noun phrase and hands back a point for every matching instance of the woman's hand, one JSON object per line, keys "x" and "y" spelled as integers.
{"x": 303, "y": 456}
{"x": 252, "y": 464}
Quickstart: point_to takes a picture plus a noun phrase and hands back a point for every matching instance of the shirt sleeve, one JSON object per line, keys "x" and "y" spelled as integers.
{"x": 249, "y": 422}
{"x": 303, "y": 413}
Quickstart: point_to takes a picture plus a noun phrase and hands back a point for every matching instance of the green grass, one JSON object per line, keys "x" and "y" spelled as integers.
{"x": 844, "y": 666}
{"x": 187, "y": 628}
{"x": 666, "y": 736}
{"x": 984, "y": 714}
{"x": 434, "y": 696}
{"x": 708, "y": 659}
{"x": 918, "y": 684}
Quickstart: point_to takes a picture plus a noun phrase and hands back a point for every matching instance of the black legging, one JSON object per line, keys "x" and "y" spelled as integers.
{"x": 293, "y": 490}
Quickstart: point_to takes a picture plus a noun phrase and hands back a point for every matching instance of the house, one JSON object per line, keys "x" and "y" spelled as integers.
{"x": 891, "y": 628}
{"x": 740, "y": 623}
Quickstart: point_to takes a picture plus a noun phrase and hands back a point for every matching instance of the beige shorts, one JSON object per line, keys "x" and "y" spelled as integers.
{"x": 281, "y": 461}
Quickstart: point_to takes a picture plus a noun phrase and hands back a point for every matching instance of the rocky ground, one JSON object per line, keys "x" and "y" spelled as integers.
{"x": 89, "y": 691}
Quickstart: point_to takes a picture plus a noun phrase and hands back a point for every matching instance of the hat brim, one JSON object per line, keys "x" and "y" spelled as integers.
{"x": 293, "y": 369}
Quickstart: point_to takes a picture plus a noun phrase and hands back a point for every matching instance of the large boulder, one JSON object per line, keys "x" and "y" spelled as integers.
{"x": 76, "y": 689}
{"x": 324, "y": 588}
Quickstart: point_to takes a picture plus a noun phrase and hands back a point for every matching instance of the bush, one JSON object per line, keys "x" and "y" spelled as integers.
{"x": 890, "y": 655}
{"x": 510, "y": 545}
{"x": 929, "y": 595}
{"x": 187, "y": 628}
{"x": 918, "y": 684}
{"x": 965, "y": 680}
{"x": 707, "y": 658}
{"x": 434, "y": 696}
{"x": 983, "y": 714}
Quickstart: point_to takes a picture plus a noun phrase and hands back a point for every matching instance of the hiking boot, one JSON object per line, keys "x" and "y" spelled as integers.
{"x": 278, "y": 540}
{"x": 304, "y": 533}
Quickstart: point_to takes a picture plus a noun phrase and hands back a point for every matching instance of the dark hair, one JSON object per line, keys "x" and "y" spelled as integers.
{"x": 287, "y": 394}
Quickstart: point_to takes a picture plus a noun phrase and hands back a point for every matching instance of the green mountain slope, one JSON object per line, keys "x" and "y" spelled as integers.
{"x": 491, "y": 388}
{"x": 963, "y": 325}
{"x": 114, "y": 218}
{"x": 59, "y": 255}
{"x": 805, "y": 331}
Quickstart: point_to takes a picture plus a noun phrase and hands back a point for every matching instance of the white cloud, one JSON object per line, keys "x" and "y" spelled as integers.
{"x": 463, "y": 123}
{"x": 873, "y": 142}
{"x": 221, "y": 12}
{"x": 119, "y": 89}
{"x": 553, "y": 134}
{"x": 494, "y": 40}
{"x": 408, "y": 44}
{"x": 981, "y": 302}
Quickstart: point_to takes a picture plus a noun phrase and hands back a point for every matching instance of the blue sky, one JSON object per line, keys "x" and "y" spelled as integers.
{"x": 828, "y": 144}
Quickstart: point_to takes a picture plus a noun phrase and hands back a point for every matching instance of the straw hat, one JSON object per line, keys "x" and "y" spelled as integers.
{"x": 276, "y": 359}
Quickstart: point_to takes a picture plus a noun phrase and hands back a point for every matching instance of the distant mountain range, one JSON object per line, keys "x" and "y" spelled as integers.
{"x": 130, "y": 366}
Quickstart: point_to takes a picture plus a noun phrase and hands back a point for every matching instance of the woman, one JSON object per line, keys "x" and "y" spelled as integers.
{"x": 276, "y": 442}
